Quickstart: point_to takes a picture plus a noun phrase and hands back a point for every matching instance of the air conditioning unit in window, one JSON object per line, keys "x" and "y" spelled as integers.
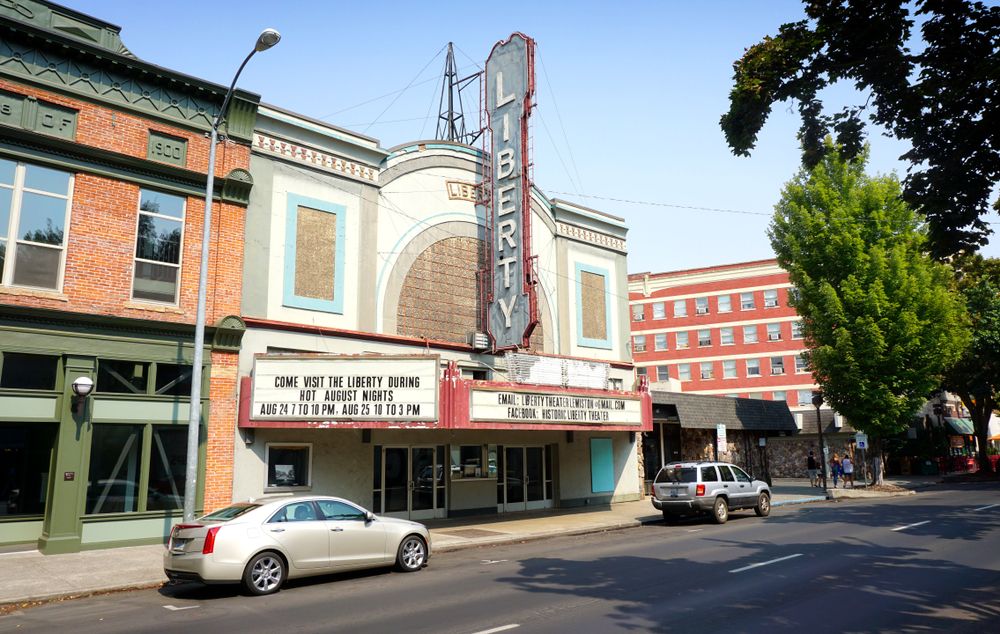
{"x": 798, "y": 421}
{"x": 770, "y": 303}
{"x": 774, "y": 336}
{"x": 479, "y": 340}
{"x": 706, "y": 375}
{"x": 701, "y": 311}
{"x": 777, "y": 370}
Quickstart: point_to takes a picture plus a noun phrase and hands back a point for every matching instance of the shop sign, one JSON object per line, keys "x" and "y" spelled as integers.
{"x": 720, "y": 438}
{"x": 553, "y": 408}
{"x": 345, "y": 388}
{"x": 510, "y": 80}
{"x": 861, "y": 440}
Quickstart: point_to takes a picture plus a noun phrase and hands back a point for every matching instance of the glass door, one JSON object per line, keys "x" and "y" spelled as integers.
{"x": 534, "y": 477}
{"x": 396, "y": 481}
{"x": 527, "y": 479}
{"x": 413, "y": 482}
{"x": 514, "y": 479}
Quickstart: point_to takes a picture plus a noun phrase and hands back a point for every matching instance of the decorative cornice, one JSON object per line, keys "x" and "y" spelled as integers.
{"x": 229, "y": 334}
{"x": 591, "y": 237}
{"x": 304, "y": 155}
{"x": 73, "y": 67}
{"x": 236, "y": 187}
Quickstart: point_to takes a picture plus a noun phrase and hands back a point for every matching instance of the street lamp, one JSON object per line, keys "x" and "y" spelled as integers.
{"x": 267, "y": 39}
{"x": 817, "y": 400}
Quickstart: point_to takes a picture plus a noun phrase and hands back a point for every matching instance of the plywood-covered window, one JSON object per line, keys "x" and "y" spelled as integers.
{"x": 314, "y": 255}
{"x": 593, "y": 309}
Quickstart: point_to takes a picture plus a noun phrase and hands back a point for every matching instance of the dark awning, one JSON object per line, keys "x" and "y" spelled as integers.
{"x": 705, "y": 412}
{"x": 961, "y": 426}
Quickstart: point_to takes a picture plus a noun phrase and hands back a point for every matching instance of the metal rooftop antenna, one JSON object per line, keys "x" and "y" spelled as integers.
{"x": 451, "y": 121}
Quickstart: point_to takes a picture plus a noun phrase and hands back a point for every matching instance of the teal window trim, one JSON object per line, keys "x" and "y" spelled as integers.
{"x": 336, "y": 305}
{"x": 587, "y": 342}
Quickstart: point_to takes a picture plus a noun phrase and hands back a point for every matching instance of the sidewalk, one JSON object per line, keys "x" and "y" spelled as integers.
{"x": 38, "y": 577}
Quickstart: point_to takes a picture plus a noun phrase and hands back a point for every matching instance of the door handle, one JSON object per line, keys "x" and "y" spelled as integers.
{"x": 277, "y": 530}
{"x": 337, "y": 530}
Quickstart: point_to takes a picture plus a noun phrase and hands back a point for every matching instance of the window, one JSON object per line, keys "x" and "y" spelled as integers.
{"x": 729, "y": 369}
{"x": 741, "y": 475}
{"x": 749, "y": 334}
{"x": 801, "y": 364}
{"x": 340, "y": 511}
{"x": 774, "y": 332}
{"x": 746, "y": 301}
{"x": 726, "y": 336}
{"x": 616, "y": 384}
{"x": 659, "y": 310}
{"x": 757, "y": 396}
{"x": 706, "y": 370}
{"x": 680, "y": 308}
{"x": 682, "y": 341}
{"x": 639, "y": 343}
{"x": 638, "y": 312}
{"x": 122, "y": 377}
{"x": 295, "y": 512}
{"x": 779, "y": 395}
{"x": 727, "y": 475}
{"x": 704, "y": 338}
{"x": 26, "y": 450}
{"x": 662, "y": 372}
{"x": 158, "y": 247}
{"x": 777, "y": 365}
{"x": 288, "y": 466}
{"x": 684, "y": 371}
{"x": 314, "y": 254}
{"x": 660, "y": 341}
{"x": 116, "y": 466}
{"x": 593, "y": 308}
{"x": 797, "y": 329}
{"x": 640, "y": 371}
{"x": 709, "y": 474}
{"x": 753, "y": 367}
{"x": 21, "y": 371}
{"x": 725, "y": 304}
{"x": 794, "y": 295}
{"x": 805, "y": 397}
{"x": 701, "y": 306}
{"x": 34, "y": 210}
{"x": 771, "y": 298}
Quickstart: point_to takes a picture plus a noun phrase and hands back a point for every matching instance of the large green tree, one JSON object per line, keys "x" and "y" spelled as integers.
{"x": 937, "y": 88}
{"x": 880, "y": 317}
{"x": 975, "y": 377}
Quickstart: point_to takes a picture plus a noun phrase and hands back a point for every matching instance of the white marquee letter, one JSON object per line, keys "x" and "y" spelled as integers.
{"x": 506, "y": 205}
{"x": 505, "y": 163}
{"x": 505, "y": 263}
{"x": 501, "y": 98}
{"x": 507, "y": 228}
{"x": 507, "y": 310}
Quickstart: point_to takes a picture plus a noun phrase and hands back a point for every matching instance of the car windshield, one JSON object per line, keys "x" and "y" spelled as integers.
{"x": 677, "y": 474}
{"x": 229, "y": 512}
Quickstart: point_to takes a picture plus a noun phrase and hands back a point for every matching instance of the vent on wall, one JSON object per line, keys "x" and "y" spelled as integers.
{"x": 798, "y": 421}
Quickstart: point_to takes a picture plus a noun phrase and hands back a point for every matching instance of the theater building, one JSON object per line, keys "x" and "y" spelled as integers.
{"x": 424, "y": 344}
{"x": 103, "y": 164}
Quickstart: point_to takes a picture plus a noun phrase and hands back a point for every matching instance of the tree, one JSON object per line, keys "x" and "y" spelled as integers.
{"x": 880, "y": 318}
{"x": 944, "y": 99}
{"x": 975, "y": 377}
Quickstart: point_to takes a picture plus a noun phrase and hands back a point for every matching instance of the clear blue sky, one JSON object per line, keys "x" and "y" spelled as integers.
{"x": 629, "y": 96}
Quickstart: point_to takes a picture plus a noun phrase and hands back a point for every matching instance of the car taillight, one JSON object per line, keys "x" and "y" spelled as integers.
{"x": 209, "y": 546}
{"x": 699, "y": 490}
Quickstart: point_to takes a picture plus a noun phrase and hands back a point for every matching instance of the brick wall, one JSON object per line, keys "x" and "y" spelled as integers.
{"x": 221, "y": 430}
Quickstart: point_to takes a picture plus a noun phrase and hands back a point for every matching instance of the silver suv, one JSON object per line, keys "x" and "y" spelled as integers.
{"x": 715, "y": 488}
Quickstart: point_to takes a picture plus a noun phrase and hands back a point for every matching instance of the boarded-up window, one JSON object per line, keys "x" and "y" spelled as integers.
{"x": 315, "y": 250}
{"x": 593, "y": 295}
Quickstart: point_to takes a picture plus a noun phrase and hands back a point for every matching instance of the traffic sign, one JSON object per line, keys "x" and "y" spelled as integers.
{"x": 861, "y": 440}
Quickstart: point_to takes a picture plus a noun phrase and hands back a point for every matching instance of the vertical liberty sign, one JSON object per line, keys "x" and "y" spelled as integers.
{"x": 510, "y": 84}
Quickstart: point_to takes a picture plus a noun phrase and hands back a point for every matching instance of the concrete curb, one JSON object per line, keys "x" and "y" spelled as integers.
{"x": 12, "y": 605}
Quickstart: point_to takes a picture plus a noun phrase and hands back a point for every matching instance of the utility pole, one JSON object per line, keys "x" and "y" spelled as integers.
{"x": 818, "y": 401}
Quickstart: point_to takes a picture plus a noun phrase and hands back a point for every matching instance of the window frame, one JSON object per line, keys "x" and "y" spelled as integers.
{"x": 180, "y": 248}
{"x": 729, "y": 301}
{"x": 665, "y": 374}
{"x": 706, "y": 370}
{"x": 682, "y": 369}
{"x": 660, "y": 313}
{"x": 771, "y": 298}
{"x": 687, "y": 340}
{"x": 756, "y": 334}
{"x": 702, "y": 342}
{"x": 777, "y": 365}
{"x": 798, "y": 329}
{"x": 638, "y": 343}
{"x": 308, "y": 446}
{"x": 774, "y": 331}
{"x": 657, "y": 337}
{"x": 801, "y": 364}
{"x": 756, "y": 366}
{"x": 682, "y": 304}
{"x": 18, "y": 190}
{"x": 590, "y": 342}
{"x": 289, "y": 298}
{"x": 722, "y": 336}
{"x": 744, "y": 304}
{"x": 638, "y": 312}
{"x": 701, "y": 305}
{"x": 729, "y": 371}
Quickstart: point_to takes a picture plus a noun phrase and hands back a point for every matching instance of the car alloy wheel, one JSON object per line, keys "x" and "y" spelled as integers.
{"x": 412, "y": 554}
{"x": 763, "y": 508}
{"x": 264, "y": 574}
{"x": 720, "y": 512}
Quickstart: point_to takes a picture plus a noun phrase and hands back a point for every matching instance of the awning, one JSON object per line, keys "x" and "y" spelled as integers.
{"x": 961, "y": 426}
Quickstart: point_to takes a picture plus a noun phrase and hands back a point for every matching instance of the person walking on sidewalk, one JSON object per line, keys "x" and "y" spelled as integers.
{"x": 835, "y": 468}
{"x": 812, "y": 468}
{"x": 848, "y": 466}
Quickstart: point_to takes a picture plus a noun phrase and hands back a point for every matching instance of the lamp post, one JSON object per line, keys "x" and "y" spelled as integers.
{"x": 267, "y": 39}
{"x": 817, "y": 400}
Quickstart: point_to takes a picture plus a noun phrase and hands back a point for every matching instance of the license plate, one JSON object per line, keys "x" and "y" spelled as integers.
{"x": 673, "y": 493}
{"x": 177, "y": 545}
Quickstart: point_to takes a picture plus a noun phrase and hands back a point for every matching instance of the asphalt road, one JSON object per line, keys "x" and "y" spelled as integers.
{"x": 929, "y": 562}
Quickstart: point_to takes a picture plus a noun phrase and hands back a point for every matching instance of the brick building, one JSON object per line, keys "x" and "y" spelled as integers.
{"x": 103, "y": 162}
{"x": 730, "y": 331}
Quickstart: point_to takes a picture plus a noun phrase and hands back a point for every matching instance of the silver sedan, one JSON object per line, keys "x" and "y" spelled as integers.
{"x": 262, "y": 544}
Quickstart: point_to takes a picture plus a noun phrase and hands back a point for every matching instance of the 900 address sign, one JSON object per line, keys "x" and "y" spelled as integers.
{"x": 329, "y": 388}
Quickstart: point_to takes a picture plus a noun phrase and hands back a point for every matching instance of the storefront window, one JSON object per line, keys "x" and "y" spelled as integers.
{"x": 113, "y": 486}
{"x": 28, "y": 371}
{"x": 25, "y": 451}
{"x": 122, "y": 377}
{"x": 288, "y": 466}
{"x": 173, "y": 380}
{"x": 467, "y": 461}
{"x": 167, "y": 468}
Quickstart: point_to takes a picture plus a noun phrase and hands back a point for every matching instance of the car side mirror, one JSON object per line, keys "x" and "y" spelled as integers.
{"x": 369, "y": 516}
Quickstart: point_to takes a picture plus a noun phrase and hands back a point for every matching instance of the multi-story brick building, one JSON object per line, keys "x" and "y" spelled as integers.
{"x": 103, "y": 163}
{"x": 727, "y": 331}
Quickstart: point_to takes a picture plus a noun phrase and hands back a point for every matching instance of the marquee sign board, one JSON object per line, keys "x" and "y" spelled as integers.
{"x": 511, "y": 406}
{"x": 510, "y": 85}
{"x": 345, "y": 388}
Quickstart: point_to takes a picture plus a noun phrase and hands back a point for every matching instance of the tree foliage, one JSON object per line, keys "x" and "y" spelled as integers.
{"x": 943, "y": 97}
{"x": 975, "y": 377}
{"x": 880, "y": 317}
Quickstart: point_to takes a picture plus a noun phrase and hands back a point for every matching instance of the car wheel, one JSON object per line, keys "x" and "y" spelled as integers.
{"x": 763, "y": 508}
{"x": 412, "y": 554}
{"x": 720, "y": 512}
{"x": 264, "y": 574}
{"x": 670, "y": 518}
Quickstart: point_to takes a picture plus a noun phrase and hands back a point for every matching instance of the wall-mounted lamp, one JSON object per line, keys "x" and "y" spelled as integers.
{"x": 82, "y": 387}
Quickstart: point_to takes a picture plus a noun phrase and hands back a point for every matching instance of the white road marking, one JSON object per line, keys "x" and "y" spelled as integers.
{"x": 695, "y": 530}
{"x": 502, "y": 628}
{"x": 767, "y": 563}
{"x": 487, "y": 562}
{"x": 174, "y": 608}
{"x": 983, "y": 508}
{"x": 902, "y": 528}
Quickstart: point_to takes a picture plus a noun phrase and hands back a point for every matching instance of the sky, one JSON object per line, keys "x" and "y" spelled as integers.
{"x": 629, "y": 96}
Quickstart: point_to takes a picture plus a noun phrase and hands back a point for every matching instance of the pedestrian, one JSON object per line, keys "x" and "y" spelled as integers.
{"x": 848, "y": 466}
{"x": 812, "y": 469}
{"x": 835, "y": 468}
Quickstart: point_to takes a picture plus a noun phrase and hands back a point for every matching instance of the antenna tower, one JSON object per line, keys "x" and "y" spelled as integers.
{"x": 451, "y": 121}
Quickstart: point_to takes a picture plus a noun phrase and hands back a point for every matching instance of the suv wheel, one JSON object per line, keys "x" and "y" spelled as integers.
{"x": 720, "y": 511}
{"x": 763, "y": 508}
{"x": 670, "y": 517}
